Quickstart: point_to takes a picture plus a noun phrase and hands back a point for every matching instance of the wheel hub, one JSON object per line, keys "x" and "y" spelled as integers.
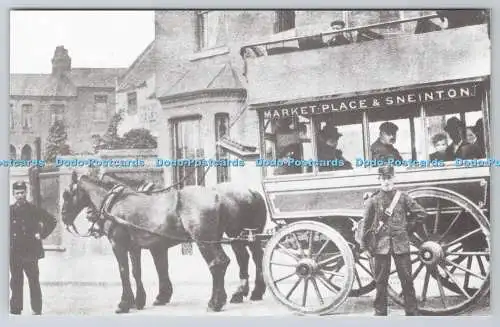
{"x": 306, "y": 268}
{"x": 431, "y": 253}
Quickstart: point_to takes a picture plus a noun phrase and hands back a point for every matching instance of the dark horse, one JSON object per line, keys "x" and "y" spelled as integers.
{"x": 245, "y": 209}
{"x": 135, "y": 221}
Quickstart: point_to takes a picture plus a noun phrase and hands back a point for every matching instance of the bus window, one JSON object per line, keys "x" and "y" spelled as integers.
{"x": 339, "y": 140}
{"x": 396, "y": 133}
{"x": 287, "y": 143}
{"x": 455, "y": 130}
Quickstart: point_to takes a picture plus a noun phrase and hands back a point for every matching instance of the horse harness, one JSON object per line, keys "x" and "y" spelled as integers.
{"x": 106, "y": 221}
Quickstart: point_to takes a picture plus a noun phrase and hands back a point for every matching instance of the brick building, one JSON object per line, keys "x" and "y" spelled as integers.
{"x": 84, "y": 98}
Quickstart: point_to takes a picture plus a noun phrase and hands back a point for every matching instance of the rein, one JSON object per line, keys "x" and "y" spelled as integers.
{"x": 111, "y": 198}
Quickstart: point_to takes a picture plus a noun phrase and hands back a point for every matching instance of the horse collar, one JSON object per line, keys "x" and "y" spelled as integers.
{"x": 110, "y": 200}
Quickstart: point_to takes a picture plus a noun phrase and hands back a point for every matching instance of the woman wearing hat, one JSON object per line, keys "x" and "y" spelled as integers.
{"x": 460, "y": 148}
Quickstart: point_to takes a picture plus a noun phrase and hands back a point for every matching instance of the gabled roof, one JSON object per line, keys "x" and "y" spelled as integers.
{"x": 49, "y": 85}
{"x": 140, "y": 71}
{"x": 205, "y": 77}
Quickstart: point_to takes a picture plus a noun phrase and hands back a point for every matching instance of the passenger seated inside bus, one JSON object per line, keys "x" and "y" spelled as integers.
{"x": 328, "y": 139}
{"x": 440, "y": 143}
{"x": 460, "y": 148}
{"x": 383, "y": 148}
{"x": 288, "y": 145}
{"x": 478, "y": 130}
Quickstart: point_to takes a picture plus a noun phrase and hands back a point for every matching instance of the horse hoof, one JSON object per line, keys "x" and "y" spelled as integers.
{"x": 237, "y": 298}
{"x": 214, "y": 308}
{"x": 158, "y": 302}
{"x": 122, "y": 310}
{"x": 256, "y": 297}
{"x": 141, "y": 307}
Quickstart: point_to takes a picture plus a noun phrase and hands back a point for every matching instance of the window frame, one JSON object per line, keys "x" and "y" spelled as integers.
{"x": 96, "y": 116}
{"x": 174, "y": 126}
{"x": 54, "y": 114}
{"x": 30, "y": 112}
{"x": 223, "y": 172}
{"x": 202, "y": 30}
{"x": 131, "y": 110}
{"x": 421, "y": 109}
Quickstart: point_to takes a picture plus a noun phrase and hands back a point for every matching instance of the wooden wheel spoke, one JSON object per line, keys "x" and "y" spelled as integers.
{"x": 417, "y": 271}
{"x": 287, "y": 252}
{"x": 481, "y": 265}
{"x": 418, "y": 238}
{"x": 283, "y": 264}
{"x": 450, "y": 275}
{"x": 474, "y": 254}
{"x": 293, "y": 288}
{"x": 426, "y": 232}
{"x": 358, "y": 279}
{"x": 467, "y": 276}
{"x": 436, "y": 220}
{"x": 316, "y": 289}
{"x": 299, "y": 247}
{"x": 332, "y": 273}
{"x": 333, "y": 288}
{"x": 441, "y": 290}
{"x": 331, "y": 259}
{"x": 323, "y": 247}
{"x": 284, "y": 278}
{"x": 451, "y": 225}
{"x": 465, "y": 270}
{"x": 365, "y": 269}
{"x": 310, "y": 247}
{"x": 461, "y": 238}
{"x": 304, "y": 296}
{"x": 426, "y": 285}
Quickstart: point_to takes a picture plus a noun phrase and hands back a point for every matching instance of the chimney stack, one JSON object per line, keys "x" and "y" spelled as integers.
{"x": 61, "y": 62}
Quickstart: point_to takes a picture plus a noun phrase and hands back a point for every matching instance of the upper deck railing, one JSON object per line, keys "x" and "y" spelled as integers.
{"x": 361, "y": 29}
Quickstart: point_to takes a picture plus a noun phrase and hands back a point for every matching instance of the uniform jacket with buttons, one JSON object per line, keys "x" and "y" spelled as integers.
{"x": 394, "y": 232}
{"x": 26, "y": 222}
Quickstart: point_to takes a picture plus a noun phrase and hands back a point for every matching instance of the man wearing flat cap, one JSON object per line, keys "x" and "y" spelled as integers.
{"x": 29, "y": 225}
{"x": 460, "y": 148}
{"x": 387, "y": 222}
{"x": 383, "y": 148}
{"x": 338, "y": 39}
{"x": 327, "y": 148}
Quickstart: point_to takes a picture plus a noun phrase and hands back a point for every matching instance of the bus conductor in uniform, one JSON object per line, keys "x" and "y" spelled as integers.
{"x": 29, "y": 225}
{"x": 386, "y": 212}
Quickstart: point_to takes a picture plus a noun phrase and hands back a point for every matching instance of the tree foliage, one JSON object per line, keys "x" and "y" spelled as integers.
{"x": 56, "y": 141}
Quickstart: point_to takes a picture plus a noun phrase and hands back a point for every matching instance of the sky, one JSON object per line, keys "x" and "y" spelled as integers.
{"x": 98, "y": 39}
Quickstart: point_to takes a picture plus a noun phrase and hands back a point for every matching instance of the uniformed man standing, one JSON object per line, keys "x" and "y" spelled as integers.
{"x": 386, "y": 213}
{"x": 29, "y": 225}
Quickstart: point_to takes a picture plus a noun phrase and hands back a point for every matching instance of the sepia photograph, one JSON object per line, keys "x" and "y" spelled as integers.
{"x": 250, "y": 162}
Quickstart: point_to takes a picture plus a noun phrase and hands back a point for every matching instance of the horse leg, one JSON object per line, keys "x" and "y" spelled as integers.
{"x": 260, "y": 285}
{"x": 127, "y": 300}
{"x": 217, "y": 261}
{"x": 140, "y": 294}
{"x": 242, "y": 257}
{"x": 160, "y": 258}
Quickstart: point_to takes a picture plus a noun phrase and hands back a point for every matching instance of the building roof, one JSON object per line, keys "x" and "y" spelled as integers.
{"x": 49, "y": 85}
{"x": 205, "y": 77}
{"x": 140, "y": 71}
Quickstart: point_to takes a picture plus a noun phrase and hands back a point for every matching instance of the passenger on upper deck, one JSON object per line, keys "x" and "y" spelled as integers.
{"x": 382, "y": 148}
{"x": 460, "y": 148}
{"x": 328, "y": 139}
{"x": 338, "y": 39}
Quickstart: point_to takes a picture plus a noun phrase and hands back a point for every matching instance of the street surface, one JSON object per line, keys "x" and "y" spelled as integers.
{"x": 90, "y": 285}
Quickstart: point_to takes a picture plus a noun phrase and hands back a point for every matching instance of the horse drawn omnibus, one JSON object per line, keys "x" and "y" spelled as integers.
{"x": 417, "y": 82}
